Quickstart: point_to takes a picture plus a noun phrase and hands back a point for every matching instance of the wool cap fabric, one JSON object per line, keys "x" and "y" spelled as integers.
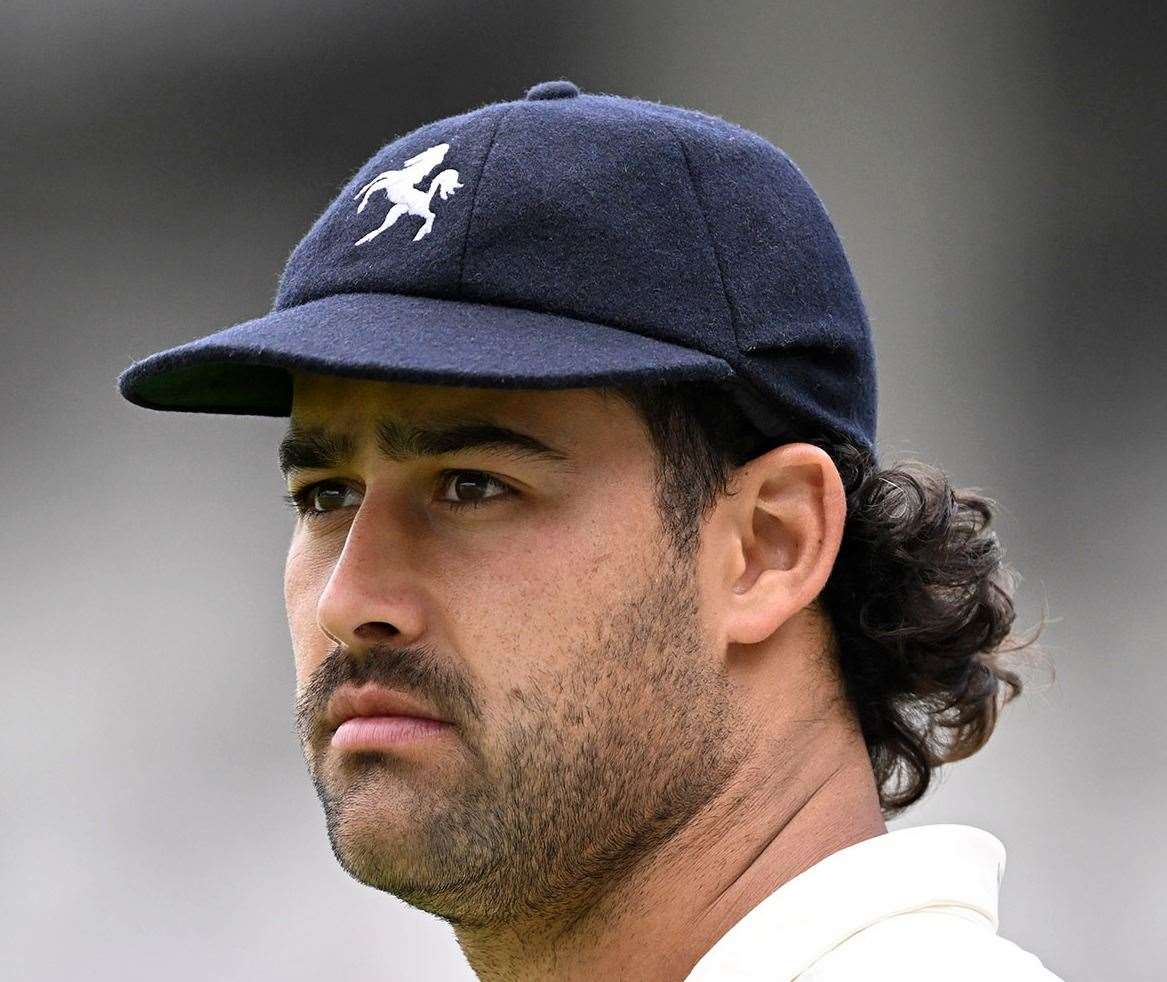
{"x": 565, "y": 239}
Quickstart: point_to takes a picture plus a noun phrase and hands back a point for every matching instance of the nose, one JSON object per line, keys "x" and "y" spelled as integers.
{"x": 374, "y": 594}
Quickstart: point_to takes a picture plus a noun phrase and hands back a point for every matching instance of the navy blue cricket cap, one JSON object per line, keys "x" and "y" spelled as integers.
{"x": 561, "y": 240}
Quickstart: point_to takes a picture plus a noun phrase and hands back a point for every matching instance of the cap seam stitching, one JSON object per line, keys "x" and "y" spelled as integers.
{"x": 729, "y": 305}
{"x": 474, "y": 197}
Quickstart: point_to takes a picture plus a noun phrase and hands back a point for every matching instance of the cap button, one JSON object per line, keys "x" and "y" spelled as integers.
{"x": 560, "y": 88}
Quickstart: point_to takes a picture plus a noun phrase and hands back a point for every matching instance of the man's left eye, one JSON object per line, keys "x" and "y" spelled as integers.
{"x": 460, "y": 481}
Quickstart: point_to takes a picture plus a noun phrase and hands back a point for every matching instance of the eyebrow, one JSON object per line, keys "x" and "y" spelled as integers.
{"x": 318, "y": 448}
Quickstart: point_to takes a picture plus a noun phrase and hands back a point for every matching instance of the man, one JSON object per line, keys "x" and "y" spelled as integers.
{"x": 614, "y": 645}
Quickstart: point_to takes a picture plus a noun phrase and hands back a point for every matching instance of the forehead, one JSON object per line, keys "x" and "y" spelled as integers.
{"x": 355, "y": 405}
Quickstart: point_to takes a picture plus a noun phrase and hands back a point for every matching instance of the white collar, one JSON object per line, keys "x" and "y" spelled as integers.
{"x": 893, "y": 873}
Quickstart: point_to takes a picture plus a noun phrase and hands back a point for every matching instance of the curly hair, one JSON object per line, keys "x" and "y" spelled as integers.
{"x": 919, "y": 600}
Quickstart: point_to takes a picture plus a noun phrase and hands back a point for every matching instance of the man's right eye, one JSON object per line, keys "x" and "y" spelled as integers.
{"x": 304, "y": 499}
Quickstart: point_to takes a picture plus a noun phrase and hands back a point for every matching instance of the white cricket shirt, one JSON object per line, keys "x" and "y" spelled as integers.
{"x": 911, "y": 905}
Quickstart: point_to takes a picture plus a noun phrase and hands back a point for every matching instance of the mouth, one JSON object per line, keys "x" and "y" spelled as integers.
{"x": 384, "y": 732}
{"x": 372, "y": 717}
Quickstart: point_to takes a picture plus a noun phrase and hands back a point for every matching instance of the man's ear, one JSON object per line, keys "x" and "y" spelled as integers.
{"x": 778, "y": 536}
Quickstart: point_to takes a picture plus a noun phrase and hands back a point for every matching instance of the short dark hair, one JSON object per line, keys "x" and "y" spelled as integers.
{"x": 919, "y": 601}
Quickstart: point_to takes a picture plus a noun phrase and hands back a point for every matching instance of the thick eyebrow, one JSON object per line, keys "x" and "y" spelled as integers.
{"x": 318, "y": 448}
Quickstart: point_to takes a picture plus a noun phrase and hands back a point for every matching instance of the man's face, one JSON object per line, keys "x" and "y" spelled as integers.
{"x": 551, "y": 624}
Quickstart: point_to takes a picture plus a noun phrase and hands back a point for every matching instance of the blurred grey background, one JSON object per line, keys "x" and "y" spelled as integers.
{"x": 996, "y": 173}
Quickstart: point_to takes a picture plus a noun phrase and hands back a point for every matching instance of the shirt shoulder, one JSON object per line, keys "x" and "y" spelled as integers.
{"x": 924, "y": 945}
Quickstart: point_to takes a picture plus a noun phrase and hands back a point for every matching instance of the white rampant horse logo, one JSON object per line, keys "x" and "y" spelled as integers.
{"x": 398, "y": 186}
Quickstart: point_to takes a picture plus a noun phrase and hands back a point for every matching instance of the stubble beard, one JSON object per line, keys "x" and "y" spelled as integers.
{"x": 598, "y": 769}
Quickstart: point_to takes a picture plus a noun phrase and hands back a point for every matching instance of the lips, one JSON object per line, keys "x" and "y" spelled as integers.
{"x": 373, "y": 700}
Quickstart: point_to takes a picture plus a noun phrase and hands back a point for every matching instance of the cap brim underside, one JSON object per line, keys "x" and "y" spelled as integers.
{"x": 245, "y": 369}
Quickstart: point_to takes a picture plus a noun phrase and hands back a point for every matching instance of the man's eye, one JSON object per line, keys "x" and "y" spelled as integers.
{"x": 304, "y": 500}
{"x": 460, "y": 481}
{"x": 307, "y": 499}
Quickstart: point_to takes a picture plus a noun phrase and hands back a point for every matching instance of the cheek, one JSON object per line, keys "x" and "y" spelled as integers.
{"x": 307, "y": 568}
{"x": 534, "y": 597}
{"x": 304, "y": 581}
{"x": 295, "y": 579}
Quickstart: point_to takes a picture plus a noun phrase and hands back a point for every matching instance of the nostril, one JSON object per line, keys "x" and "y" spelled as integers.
{"x": 375, "y": 630}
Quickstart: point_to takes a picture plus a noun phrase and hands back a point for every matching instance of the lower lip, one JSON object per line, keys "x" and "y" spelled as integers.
{"x": 377, "y": 732}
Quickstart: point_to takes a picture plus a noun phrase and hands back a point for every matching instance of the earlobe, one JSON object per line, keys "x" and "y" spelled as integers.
{"x": 787, "y": 523}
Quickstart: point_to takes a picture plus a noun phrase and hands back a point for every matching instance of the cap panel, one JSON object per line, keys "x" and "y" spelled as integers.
{"x": 585, "y": 208}
{"x": 798, "y": 315}
{"x": 783, "y": 260}
{"x": 338, "y": 255}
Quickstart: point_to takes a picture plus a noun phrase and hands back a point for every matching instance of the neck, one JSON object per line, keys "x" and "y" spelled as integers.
{"x": 780, "y": 815}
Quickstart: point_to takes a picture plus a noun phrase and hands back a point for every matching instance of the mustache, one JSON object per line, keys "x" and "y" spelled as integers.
{"x": 417, "y": 670}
